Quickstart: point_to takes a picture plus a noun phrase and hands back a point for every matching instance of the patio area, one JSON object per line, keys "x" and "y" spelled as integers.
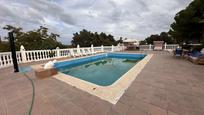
{"x": 166, "y": 86}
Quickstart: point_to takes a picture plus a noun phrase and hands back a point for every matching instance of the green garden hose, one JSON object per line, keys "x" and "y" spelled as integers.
{"x": 33, "y": 95}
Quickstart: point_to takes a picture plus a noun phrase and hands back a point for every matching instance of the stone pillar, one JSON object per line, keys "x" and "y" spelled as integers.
{"x": 112, "y": 48}
{"x": 165, "y": 46}
{"x": 92, "y": 49}
{"x": 78, "y": 49}
{"x": 150, "y": 46}
{"x": 23, "y": 54}
{"x": 102, "y": 50}
{"x": 58, "y": 52}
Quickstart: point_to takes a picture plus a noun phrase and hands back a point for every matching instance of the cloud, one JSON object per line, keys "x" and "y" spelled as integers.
{"x": 135, "y": 19}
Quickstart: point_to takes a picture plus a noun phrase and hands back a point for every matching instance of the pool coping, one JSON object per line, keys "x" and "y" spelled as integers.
{"x": 111, "y": 93}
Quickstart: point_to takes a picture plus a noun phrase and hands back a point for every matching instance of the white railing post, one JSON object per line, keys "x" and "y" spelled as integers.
{"x": 78, "y": 49}
{"x": 102, "y": 50}
{"x": 58, "y": 52}
{"x": 165, "y": 46}
{"x": 150, "y": 46}
{"x": 92, "y": 48}
{"x": 112, "y": 48}
{"x": 23, "y": 54}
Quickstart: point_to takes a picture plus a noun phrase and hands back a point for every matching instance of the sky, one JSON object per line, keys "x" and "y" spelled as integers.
{"x": 135, "y": 19}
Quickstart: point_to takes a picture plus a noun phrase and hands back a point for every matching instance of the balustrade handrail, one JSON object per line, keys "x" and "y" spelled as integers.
{"x": 24, "y": 56}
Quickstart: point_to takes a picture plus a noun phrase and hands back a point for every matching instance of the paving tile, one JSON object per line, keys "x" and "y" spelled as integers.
{"x": 159, "y": 98}
{"x": 140, "y": 104}
{"x": 100, "y": 108}
{"x": 135, "y": 111}
{"x": 166, "y": 86}
{"x": 121, "y": 108}
{"x": 171, "y": 113}
{"x": 112, "y": 112}
{"x": 125, "y": 99}
{"x": 155, "y": 110}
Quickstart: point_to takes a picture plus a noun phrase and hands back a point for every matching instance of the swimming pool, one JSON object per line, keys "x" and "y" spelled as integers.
{"x": 106, "y": 76}
{"x": 102, "y": 70}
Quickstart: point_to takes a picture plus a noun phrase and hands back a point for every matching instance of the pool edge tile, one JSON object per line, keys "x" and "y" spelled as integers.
{"x": 110, "y": 93}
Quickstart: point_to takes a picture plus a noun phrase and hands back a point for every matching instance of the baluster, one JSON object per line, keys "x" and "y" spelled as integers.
{"x": 32, "y": 56}
{"x": 20, "y": 57}
{"x": 44, "y": 54}
{"x": 27, "y": 57}
{"x": 48, "y": 54}
{"x": 8, "y": 60}
{"x": 5, "y": 60}
{"x": 64, "y": 52}
{"x": 36, "y": 55}
{"x": 41, "y": 55}
{"x": 61, "y": 53}
{"x": 17, "y": 56}
{"x": 1, "y": 61}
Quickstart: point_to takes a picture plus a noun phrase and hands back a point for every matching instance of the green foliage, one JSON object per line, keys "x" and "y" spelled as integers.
{"x": 189, "y": 24}
{"x": 162, "y": 37}
{"x": 85, "y": 38}
{"x": 34, "y": 40}
{"x": 4, "y": 46}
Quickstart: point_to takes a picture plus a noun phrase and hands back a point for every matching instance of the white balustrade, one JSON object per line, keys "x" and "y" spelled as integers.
{"x": 24, "y": 56}
{"x": 64, "y": 53}
{"x": 97, "y": 49}
{"x": 171, "y": 46}
{"x": 145, "y": 47}
{"x": 166, "y": 47}
{"x": 6, "y": 58}
{"x": 107, "y": 48}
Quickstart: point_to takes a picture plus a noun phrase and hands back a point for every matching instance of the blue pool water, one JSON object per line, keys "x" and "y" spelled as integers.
{"x": 102, "y": 69}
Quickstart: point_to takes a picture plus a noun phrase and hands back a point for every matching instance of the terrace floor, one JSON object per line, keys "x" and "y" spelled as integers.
{"x": 166, "y": 86}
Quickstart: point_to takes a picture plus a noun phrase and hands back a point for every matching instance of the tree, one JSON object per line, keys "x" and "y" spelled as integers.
{"x": 4, "y": 46}
{"x": 85, "y": 38}
{"x": 39, "y": 39}
{"x": 164, "y": 36}
{"x": 120, "y": 40}
{"x": 189, "y": 24}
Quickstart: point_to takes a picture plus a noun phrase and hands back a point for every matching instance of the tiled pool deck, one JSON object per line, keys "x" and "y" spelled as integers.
{"x": 166, "y": 86}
